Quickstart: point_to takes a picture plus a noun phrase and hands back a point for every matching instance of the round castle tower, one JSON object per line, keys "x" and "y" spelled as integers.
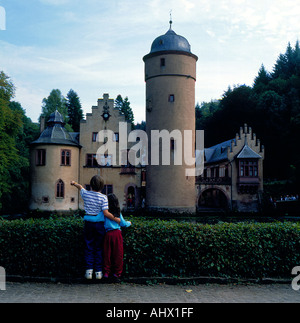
{"x": 54, "y": 163}
{"x": 170, "y": 75}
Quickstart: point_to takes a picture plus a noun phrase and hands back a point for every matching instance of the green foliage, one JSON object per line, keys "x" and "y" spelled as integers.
{"x": 155, "y": 248}
{"x": 7, "y": 89}
{"x": 42, "y": 247}
{"x": 10, "y": 126}
{"x": 124, "y": 106}
{"x": 271, "y": 107}
{"x": 56, "y": 101}
{"x": 75, "y": 113}
{"x": 16, "y": 132}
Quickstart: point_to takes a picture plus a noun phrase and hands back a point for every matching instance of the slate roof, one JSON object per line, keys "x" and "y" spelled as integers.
{"x": 56, "y": 134}
{"x": 247, "y": 152}
{"x": 218, "y": 152}
{"x": 170, "y": 41}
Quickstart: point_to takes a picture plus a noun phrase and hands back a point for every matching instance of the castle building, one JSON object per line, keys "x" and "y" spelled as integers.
{"x": 233, "y": 172}
{"x": 58, "y": 157}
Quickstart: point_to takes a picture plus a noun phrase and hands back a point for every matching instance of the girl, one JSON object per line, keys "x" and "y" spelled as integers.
{"x": 113, "y": 240}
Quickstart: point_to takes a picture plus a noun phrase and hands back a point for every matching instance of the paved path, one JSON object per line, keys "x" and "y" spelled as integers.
{"x": 134, "y": 293}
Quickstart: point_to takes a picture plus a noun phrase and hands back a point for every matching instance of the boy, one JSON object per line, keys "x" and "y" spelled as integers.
{"x": 94, "y": 203}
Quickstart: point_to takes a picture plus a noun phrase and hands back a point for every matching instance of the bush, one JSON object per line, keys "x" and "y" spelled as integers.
{"x": 42, "y": 247}
{"x": 155, "y": 248}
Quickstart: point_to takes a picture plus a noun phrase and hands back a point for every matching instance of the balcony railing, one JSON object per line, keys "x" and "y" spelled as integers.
{"x": 127, "y": 170}
{"x": 213, "y": 180}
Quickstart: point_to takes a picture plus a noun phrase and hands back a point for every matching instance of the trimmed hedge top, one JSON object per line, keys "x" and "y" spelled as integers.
{"x": 155, "y": 248}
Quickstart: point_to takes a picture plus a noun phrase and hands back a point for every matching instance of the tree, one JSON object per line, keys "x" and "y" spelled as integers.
{"x": 288, "y": 64}
{"x": 55, "y": 101}
{"x": 124, "y": 107}
{"x": 10, "y": 125}
{"x": 16, "y": 200}
{"x": 75, "y": 113}
{"x": 262, "y": 80}
{"x": 204, "y": 112}
{"x": 140, "y": 126}
{"x": 235, "y": 109}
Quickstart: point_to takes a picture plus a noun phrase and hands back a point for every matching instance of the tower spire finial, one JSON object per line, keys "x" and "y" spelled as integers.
{"x": 171, "y": 21}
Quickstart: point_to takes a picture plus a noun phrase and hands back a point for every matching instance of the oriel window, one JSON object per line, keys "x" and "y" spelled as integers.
{"x": 249, "y": 168}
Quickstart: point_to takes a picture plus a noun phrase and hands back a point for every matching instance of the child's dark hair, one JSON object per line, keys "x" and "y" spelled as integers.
{"x": 113, "y": 204}
{"x": 97, "y": 183}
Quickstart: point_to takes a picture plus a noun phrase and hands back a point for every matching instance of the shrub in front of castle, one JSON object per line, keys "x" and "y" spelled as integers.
{"x": 154, "y": 248}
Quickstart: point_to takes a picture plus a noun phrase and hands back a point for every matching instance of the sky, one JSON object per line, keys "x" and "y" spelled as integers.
{"x": 97, "y": 46}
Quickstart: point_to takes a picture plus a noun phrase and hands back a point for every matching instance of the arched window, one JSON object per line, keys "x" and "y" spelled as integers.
{"x": 60, "y": 189}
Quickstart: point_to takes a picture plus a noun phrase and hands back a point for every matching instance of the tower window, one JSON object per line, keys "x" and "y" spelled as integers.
{"x": 162, "y": 62}
{"x": 60, "y": 189}
{"x": 40, "y": 157}
{"x": 171, "y": 98}
{"x": 65, "y": 157}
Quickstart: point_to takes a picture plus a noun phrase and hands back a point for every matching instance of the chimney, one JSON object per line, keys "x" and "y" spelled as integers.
{"x": 42, "y": 124}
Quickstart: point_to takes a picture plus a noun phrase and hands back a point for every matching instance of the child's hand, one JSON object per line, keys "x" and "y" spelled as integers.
{"x": 73, "y": 183}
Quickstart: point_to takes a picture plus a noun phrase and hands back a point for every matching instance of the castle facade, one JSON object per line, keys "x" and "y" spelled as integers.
{"x": 233, "y": 170}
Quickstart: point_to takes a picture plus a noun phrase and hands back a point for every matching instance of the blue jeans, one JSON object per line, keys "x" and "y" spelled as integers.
{"x": 94, "y": 237}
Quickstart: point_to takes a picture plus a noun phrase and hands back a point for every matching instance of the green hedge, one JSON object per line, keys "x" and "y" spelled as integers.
{"x": 155, "y": 248}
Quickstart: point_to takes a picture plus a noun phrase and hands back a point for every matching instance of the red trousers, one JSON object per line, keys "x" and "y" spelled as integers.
{"x": 113, "y": 253}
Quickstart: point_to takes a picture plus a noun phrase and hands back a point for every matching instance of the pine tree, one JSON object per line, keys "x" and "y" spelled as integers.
{"x": 124, "y": 107}
{"x": 262, "y": 80}
{"x": 75, "y": 112}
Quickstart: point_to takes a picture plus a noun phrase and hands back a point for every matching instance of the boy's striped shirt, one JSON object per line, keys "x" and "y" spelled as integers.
{"x": 94, "y": 202}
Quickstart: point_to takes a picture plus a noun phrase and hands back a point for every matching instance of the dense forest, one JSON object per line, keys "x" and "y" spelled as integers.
{"x": 271, "y": 106}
